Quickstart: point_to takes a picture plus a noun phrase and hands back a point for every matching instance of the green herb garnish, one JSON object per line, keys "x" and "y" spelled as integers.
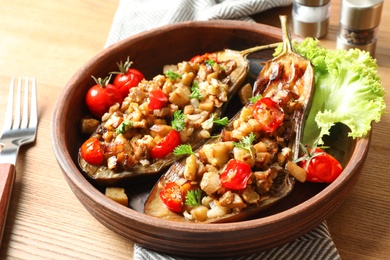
{"x": 178, "y": 122}
{"x": 172, "y": 75}
{"x": 210, "y": 62}
{"x": 124, "y": 126}
{"x": 193, "y": 197}
{"x": 221, "y": 121}
{"x": 255, "y": 98}
{"x": 246, "y": 143}
{"x": 208, "y": 124}
{"x": 183, "y": 149}
{"x": 195, "y": 93}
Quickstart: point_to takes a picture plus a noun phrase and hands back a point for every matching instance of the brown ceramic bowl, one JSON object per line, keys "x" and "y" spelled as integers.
{"x": 305, "y": 208}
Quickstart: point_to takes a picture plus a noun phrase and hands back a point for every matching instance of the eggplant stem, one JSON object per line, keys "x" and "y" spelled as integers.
{"x": 287, "y": 46}
{"x": 246, "y": 52}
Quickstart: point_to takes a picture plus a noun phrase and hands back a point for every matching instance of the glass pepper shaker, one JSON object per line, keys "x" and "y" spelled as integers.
{"x": 359, "y": 22}
{"x": 310, "y": 18}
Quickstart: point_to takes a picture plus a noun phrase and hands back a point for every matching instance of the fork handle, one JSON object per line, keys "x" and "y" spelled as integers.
{"x": 7, "y": 179}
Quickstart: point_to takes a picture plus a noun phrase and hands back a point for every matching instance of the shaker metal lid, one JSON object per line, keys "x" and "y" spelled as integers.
{"x": 361, "y": 14}
{"x": 312, "y": 2}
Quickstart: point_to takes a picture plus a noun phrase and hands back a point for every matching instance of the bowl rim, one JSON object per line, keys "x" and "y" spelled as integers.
{"x": 81, "y": 184}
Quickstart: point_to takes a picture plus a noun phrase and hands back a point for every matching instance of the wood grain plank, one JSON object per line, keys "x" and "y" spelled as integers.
{"x": 51, "y": 40}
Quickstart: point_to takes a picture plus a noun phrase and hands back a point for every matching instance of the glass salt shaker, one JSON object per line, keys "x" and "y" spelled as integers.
{"x": 310, "y": 18}
{"x": 359, "y": 22}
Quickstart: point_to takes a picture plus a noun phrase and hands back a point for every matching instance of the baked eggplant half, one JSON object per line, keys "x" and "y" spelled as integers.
{"x": 136, "y": 138}
{"x": 246, "y": 169}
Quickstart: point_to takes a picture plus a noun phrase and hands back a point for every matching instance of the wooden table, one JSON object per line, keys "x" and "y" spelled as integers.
{"x": 51, "y": 40}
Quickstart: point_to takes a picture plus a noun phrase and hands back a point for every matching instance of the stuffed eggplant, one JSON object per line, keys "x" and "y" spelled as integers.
{"x": 136, "y": 138}
{"x": 248, "y": 167}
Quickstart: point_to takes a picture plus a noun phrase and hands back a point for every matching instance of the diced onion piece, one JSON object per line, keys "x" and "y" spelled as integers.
{"x": 298, "y": 172}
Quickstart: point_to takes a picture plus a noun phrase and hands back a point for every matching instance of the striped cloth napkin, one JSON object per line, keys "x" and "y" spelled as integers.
{"x": 135, "y": 16}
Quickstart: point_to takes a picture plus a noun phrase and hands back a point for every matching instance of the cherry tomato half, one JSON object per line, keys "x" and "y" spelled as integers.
{"x": 167, "y": 145}
{"x": 236, "y": 175}
{"x": 157, "y": 99}
{"x": 92, "y": 152}
{"x": 172, "y": 197}
{"x": 102, "y": 96}
{"x": 127, "y": 80}
{"x": 323, "y": 167}
{"x": 268, "y": 114}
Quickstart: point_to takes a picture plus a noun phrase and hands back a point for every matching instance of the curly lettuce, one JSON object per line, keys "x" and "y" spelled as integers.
{"x": 348, "y": 90}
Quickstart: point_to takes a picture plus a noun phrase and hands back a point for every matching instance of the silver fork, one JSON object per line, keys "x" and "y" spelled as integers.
{"x": 20, "y": 127}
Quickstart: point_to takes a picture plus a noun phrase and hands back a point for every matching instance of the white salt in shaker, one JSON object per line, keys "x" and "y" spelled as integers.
{"x": 310, "y": 18}
{"x": 359, "y": 22}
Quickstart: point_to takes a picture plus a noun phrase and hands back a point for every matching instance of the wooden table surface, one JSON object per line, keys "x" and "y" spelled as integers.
{"x": 51, "y": 40}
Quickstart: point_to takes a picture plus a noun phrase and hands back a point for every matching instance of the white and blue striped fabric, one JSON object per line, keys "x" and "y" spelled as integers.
{"x": 315, "y": 245}
{"x": 135, "y": 16}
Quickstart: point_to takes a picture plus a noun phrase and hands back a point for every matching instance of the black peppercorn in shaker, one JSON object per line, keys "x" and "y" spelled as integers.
{"x": 359, "y": 22}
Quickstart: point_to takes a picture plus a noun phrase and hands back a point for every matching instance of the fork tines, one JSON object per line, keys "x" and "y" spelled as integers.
{"x": 18, "y": 116}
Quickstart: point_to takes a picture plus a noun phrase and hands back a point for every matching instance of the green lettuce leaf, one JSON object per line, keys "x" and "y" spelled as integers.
{"x": 348, "y": 90}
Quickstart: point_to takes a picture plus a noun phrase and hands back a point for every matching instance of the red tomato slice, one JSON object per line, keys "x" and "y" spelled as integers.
{"x": 157, "y": 99}
{"x": 268, "y": 114}
{"x": 323, "y": 167}
{"x": 236, "y": 175}
{"x": 167, "y": 145}
{"x": 92, "y": 152}
{"x": 101, "y": 97}
{"x": 172, "y": 197}
{"x": 125, "y": 81}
